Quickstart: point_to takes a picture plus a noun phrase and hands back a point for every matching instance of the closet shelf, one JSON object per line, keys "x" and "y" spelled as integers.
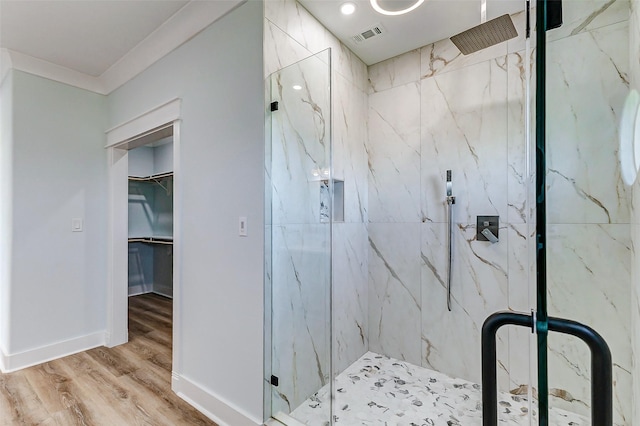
{"x": 157, "y": 179}
{"x": 152, "y": 178}
{"x": 152, "y": 240}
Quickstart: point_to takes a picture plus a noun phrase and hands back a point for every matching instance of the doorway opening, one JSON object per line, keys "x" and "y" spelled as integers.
{"x": 144, "y": 232}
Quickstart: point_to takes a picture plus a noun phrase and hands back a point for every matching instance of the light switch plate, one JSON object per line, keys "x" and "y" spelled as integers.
{"x": 242, "y": 226}
{"x": 76, "y": 225}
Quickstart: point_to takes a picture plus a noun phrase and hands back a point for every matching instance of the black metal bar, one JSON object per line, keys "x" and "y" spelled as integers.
{"x": 489, "y": 358}
{"x": 601, "y": 368}
{"x": 541, "y": 212}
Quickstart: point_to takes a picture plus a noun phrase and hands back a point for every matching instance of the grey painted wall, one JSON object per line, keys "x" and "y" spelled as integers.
{"x": 218, "y": 76}
{"x": 58, "y": 280}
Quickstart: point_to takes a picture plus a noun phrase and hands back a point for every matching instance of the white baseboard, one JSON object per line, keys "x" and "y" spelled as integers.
{"x": 18, "y": 361}
{"x": 163, "y": 291}
{"x": 138, "y": 289}
{"x": 216, "y": 408}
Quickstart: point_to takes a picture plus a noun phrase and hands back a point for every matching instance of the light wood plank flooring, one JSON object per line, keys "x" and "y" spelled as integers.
{"x": 126, "y": 385}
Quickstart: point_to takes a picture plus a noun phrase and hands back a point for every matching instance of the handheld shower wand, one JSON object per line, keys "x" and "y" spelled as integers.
{"x": 451, "y": 200}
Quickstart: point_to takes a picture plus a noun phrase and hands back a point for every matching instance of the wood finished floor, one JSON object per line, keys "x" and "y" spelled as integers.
{"x": 126, "y": 385}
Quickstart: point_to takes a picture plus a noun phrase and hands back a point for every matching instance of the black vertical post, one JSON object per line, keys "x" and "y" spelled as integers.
{"x": 541, "y": 220}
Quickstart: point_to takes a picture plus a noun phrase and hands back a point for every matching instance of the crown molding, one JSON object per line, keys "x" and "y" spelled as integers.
{"x": 20, "y": 61}
{"x": 185, "y": 24}
{"x": 5, "y": 63}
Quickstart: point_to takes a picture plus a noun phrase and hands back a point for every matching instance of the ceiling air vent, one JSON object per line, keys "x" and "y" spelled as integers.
{"x": 375, "y": 31}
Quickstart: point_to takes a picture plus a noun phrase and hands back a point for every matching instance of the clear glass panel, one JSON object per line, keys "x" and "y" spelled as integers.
{"x": 421, "y": 363}
{"x": 299, "y": 233}
{"x": 589, "y": 240}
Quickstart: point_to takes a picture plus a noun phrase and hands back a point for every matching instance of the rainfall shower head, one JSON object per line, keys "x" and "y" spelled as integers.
{"x": 485, "y": 35}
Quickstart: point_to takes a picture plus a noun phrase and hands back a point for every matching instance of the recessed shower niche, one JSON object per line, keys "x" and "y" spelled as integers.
{"x": 326, "y": 200}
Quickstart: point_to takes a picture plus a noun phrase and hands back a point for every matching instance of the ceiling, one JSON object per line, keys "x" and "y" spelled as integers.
{"x": 434, "y": 20}
{"x": 86, "y": 36}
{"x": 92, "y": 37}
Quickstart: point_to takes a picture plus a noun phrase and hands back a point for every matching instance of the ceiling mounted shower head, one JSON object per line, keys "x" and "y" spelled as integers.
{"x": 485, "y": 35}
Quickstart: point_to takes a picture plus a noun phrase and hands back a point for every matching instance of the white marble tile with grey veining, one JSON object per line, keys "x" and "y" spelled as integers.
{"x": 350, "y": 293}
{"x": 634, "y": 44}
{"x": 521, "y": 244}
{"x": 478, "y": 289}
{"x": 298, "y": 23}
{"x": 443, "y": 56}
{"x": 589, "y": 275}
{"x": 519, "y": 20}
{"x": 280, "y": 50}
{"x": 292, "y": 18}
{"x": 300, "y": 141}
{"x": 587, "y": 15}
{"x": 587, "y": 82}
{"x": 521, "y": 146}
{"x": 349, "y": 153}
{"x": 394, "y": 155}
{"x": 522, "y": 298}
{"x": 394, "y": 290}
{"x": 464, "y": 129}
{"x": 394, "y": 72}
{"x": 300, "y": 312}
{"x": 347, "y": 64}
{"x": 378, "y": 390}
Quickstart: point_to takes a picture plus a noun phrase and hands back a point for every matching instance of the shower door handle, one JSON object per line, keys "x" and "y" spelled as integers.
{"x": 601, "y": 366}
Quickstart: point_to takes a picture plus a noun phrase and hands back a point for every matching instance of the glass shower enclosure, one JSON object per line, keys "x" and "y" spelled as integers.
{"x": 383, "y": 346}
{"x": 299, "y": 221}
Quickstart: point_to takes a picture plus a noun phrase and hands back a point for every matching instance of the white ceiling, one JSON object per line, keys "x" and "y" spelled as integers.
{"x": 98, "y": 45}
{"x": 434, "y": 20}
{"x": 86, "y": 36}
{"x": 98, "y": 38}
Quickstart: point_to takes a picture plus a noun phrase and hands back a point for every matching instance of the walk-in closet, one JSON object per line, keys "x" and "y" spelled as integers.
{"x": 151, "y": 218}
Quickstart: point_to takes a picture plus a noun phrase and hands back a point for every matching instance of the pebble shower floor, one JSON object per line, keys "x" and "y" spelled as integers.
{"x": 378, "y": 390}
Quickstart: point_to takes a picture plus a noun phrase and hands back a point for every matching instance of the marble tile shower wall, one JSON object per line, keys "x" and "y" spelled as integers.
{"x": 431, "y": 110}
{"x": 291, "y": 34}
{"x": 589, "y": 245}
{"x": 634, "y": 74}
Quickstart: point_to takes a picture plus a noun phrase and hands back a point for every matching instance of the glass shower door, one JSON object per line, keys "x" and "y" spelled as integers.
{"x": 299, "y": 240}
{"x": 589, "y": 209}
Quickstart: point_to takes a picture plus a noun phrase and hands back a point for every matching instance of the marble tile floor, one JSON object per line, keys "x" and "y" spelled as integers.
{"x": 378, "y": 390}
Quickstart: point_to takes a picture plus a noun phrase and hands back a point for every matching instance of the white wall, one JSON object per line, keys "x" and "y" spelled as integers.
{"x": 218, "y": 76}
{"x": 141, "y": 161}
{"x": 58, "y": 277}
{"x": 163, "y": 156}
{"x": 6, "y": 125}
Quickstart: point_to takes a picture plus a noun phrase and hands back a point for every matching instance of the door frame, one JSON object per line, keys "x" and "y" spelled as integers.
{"x": 120, "y": 139}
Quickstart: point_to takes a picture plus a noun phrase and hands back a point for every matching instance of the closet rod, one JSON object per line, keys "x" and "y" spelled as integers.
{"x": 152, "y": 177}
{"x": 152, "y": 240}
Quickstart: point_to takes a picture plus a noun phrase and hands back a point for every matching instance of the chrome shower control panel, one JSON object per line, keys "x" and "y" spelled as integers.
{"x": 487, "y": 228}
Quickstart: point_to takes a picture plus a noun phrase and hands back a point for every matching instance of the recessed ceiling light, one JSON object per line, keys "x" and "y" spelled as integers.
{"x": 347, "y": 8}
{"x": 297, "y": 87}
{"x": 412, "y": 5}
